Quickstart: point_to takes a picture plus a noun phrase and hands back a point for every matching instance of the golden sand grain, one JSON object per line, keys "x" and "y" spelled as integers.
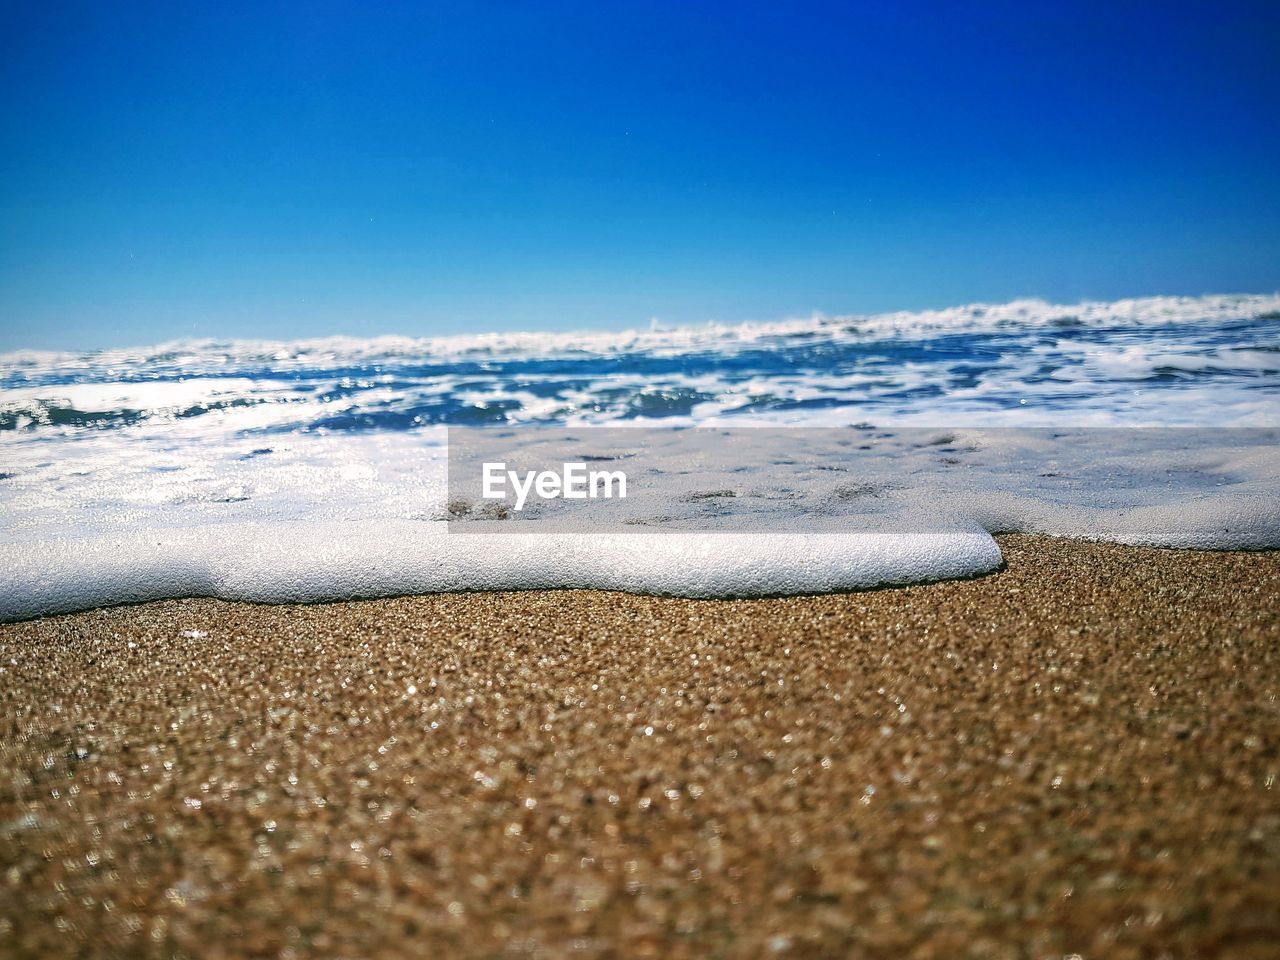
{"x": 1076, "y": 755}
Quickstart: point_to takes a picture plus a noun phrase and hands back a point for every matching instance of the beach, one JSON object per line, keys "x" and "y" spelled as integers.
{"x": 1076, "y": 754}
{"x": 497, "y": 480}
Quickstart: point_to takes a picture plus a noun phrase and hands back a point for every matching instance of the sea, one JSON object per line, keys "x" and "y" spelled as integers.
{"x": 319, "y": 469}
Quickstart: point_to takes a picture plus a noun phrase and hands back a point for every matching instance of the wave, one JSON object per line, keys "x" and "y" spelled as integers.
{"x": 1154, "y": 360}
{"x": 659, "y": 340}
{"x": 316, "y": 469}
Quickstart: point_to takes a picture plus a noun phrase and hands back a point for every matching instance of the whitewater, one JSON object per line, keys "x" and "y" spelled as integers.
{"x": 318, "y": 469}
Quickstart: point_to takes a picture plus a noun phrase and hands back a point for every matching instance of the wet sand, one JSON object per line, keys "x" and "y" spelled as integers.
{"x": 1075, "y": 755}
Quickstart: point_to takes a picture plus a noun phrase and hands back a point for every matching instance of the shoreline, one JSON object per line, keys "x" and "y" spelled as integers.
{"x": 325, "y": 597}
{"x": 1075, "y": 753}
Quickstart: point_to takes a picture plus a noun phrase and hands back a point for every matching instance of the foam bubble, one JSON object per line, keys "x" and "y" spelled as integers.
{"x": 345, "y": 561}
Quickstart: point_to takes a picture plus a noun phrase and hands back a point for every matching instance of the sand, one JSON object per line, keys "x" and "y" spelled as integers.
{"x": 1075, "y": 755}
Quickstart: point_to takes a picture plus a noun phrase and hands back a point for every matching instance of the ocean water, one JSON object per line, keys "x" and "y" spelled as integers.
{"x": 318, "y": 469}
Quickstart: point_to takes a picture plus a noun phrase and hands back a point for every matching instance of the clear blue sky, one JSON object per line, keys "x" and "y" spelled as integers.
{"x": 217, "y": 170}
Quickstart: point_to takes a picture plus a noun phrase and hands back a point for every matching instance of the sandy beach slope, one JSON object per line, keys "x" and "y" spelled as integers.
{"x": 1075, "y": 755}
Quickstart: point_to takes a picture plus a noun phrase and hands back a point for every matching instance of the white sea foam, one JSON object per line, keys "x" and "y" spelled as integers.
{"x": 326, "y": 561}
{"x": 1020, "y": 315}
{"x": 316, "y": 469}
{"x": 333, "y": 518}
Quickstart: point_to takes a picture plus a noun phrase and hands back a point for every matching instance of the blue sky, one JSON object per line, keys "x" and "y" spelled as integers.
{"x": 220, "y": 170}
